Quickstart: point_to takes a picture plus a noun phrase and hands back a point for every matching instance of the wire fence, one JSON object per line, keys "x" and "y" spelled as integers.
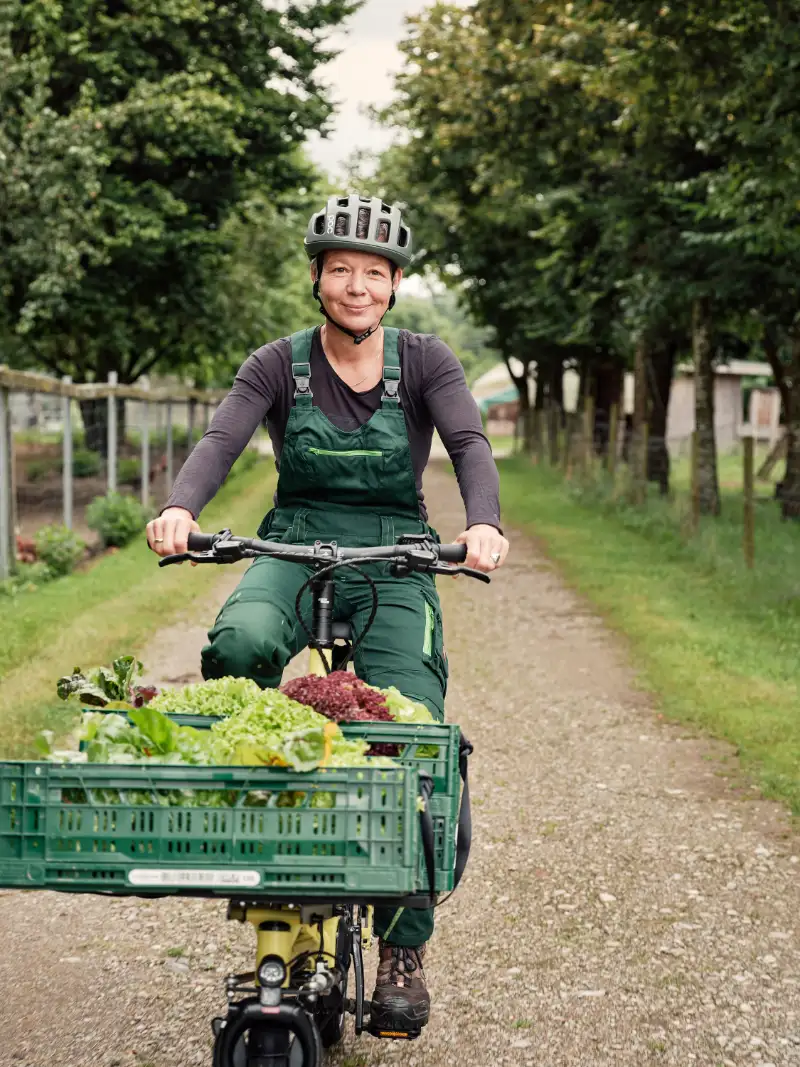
{"x": 63, "y": 445}
{"x": 663, "y": 485}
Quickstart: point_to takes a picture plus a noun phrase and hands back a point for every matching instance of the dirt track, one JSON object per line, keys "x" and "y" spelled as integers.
{"x": 628, "y": 901}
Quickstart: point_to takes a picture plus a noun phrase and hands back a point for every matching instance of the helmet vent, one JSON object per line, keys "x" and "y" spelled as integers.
{"x": 341, "y": 227}
{"x": 385, "y": 209}
{"x": 362, "y": 226}
{"x": 402, "y": 237}
{"x": 319, "y": 224}
{"x": 343, "y": 202}
{"x": 383, "y": 232}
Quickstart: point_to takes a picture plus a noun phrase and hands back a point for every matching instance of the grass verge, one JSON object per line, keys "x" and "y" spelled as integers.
{"x": 716, "y": 643}
{"x": 89, "y": 618}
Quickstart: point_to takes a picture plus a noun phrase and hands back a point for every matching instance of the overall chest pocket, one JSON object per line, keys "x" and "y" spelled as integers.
{"x": 351, "y": 474}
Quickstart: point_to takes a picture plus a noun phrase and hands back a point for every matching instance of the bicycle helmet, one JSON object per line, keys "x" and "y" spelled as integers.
{"x": 360, "y": 224}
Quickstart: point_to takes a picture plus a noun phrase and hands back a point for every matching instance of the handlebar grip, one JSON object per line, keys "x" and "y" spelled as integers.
{"x": 200, "y": 542}
{"x": 452, "y": 553}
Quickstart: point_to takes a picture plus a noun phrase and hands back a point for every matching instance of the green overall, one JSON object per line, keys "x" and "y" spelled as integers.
{"x": 357, "y": 488}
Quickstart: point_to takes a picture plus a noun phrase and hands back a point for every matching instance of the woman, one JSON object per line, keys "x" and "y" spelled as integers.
{"x": 351, "y": 408}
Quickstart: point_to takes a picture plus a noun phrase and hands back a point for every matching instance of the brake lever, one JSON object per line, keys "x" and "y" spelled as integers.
{"x": 457, "y": 568}
{"x": 195, "y": 557}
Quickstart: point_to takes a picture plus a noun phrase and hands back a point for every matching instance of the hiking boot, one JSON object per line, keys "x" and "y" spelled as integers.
{"x": 401, "y": 1002}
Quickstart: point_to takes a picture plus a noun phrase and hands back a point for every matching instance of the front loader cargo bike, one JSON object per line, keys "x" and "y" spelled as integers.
{"x": 307, "y": 876}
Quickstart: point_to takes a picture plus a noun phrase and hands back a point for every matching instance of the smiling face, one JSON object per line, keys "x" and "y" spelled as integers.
{"x": 356, "y": 287}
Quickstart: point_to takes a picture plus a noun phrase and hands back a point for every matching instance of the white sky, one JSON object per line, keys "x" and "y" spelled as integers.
{"x": 362, "y": 75}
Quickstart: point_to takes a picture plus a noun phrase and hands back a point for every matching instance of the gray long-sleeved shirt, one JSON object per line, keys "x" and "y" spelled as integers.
{"x": 433, "y": 394}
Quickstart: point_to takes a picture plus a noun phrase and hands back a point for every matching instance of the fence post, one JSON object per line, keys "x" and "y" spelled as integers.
{"x": 145, "y": 453}
{"x": 66, "y": 454}
{"x": 112, "y": 432}
{"x": 206, "y": 407}
{"x": 695, "y": 483}
{"x": 170, "y": 457}
{"x": 588, "y": 431}
{"x": 640, "y": 465}
{"x": 6, "y": 532}
{"x": 553, "y": 419}
{"x": 613, "y": 433}
{"x": 566, "y": 455}
{"x": 749, "y": 537}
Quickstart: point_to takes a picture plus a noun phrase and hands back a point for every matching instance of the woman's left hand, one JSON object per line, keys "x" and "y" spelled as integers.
{"x": 486, "y": 548}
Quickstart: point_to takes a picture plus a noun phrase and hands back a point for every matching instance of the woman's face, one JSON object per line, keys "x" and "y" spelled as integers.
{"x": 356, "y": 287}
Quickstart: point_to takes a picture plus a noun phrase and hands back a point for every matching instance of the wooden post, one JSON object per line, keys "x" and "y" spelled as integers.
{"x": 566, "y": 457}
{"x": 588, "y": 434}
{"x": 6, "y": 531}
{"x": 613, "y": 432}
{"x": 749, "y": 534}
{"x": 191, "y": 408}
{"x": 145, "y": 454}
{"x": 553, "y": 419}
{"x": 112, "y": 432}
{"x": 695, "y": 484}
{"x": 640, "y": 466}
{"x": 205, "y": 418}
{"x": 66, "y": 455}
{"x": 170, "y": 455}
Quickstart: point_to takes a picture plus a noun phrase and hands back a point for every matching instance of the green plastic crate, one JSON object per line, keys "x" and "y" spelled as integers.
{"x": 76, "y": 828}
{"x": 433, "y": 748}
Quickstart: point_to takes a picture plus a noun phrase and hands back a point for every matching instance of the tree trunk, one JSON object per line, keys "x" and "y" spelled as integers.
{"x": 557, "y": 386}
{"x": 790, "y": 486}
{"x": 608, "y": 392}
{"x": 659, "y": 384}
{"x": 708, "y": 484}
{"x": 521, "y": 382}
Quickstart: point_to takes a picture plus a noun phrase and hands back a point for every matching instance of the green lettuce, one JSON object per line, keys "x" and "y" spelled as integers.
{"x": 218, "y": 696}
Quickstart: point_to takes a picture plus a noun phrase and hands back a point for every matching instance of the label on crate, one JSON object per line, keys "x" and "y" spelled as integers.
{"x": 196, "y": 878}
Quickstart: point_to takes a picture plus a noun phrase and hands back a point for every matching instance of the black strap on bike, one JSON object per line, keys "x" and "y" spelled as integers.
{"x": 426, "y": 832}
{"x": 464, "y": 841}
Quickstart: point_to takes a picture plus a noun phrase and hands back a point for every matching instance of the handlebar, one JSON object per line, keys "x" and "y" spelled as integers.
{"x": 411, "y": 553}
{"x": 200, "y": 542}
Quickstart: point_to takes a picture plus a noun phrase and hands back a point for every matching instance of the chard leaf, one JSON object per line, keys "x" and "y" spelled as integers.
{"x": 154, "y": 726}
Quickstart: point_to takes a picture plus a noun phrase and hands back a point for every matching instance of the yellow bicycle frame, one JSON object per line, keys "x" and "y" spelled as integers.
{"x": 292, "y": 936}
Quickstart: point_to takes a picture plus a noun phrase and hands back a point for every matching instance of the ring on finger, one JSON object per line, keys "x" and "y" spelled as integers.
{"x": 495, "y": 557}
{"x": 156, "y": 540}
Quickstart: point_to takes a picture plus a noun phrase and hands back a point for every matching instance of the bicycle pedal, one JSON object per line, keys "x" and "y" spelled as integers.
{"x": 393, "y": 1035}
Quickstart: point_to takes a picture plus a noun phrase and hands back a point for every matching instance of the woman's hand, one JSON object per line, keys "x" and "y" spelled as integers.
{"x": 486, "y": 548}
{"x": 168, "y": 534}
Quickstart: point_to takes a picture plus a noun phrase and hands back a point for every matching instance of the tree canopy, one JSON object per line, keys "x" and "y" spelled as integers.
{"x": 605, "y": 177}
{"x": 151, "y": 169}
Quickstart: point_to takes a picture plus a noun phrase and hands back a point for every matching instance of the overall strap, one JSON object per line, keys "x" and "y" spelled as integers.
{"x": 301, "y": 366}
{"x": 391, "y": 368}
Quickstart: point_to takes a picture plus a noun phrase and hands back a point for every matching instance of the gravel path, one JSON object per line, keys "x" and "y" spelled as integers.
{"x": 628, "y": 902}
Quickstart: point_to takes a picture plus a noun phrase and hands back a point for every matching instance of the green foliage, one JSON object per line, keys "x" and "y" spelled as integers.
{"x": 25, "y": 579}
{"x": 59, "y": 548}
{"x": 117, "y": 518}
{"x": 39, "y": 470}
{"x": 129, "y": 471}
{"x": 149, "y": 147}
{"x": 86, "y": 464}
